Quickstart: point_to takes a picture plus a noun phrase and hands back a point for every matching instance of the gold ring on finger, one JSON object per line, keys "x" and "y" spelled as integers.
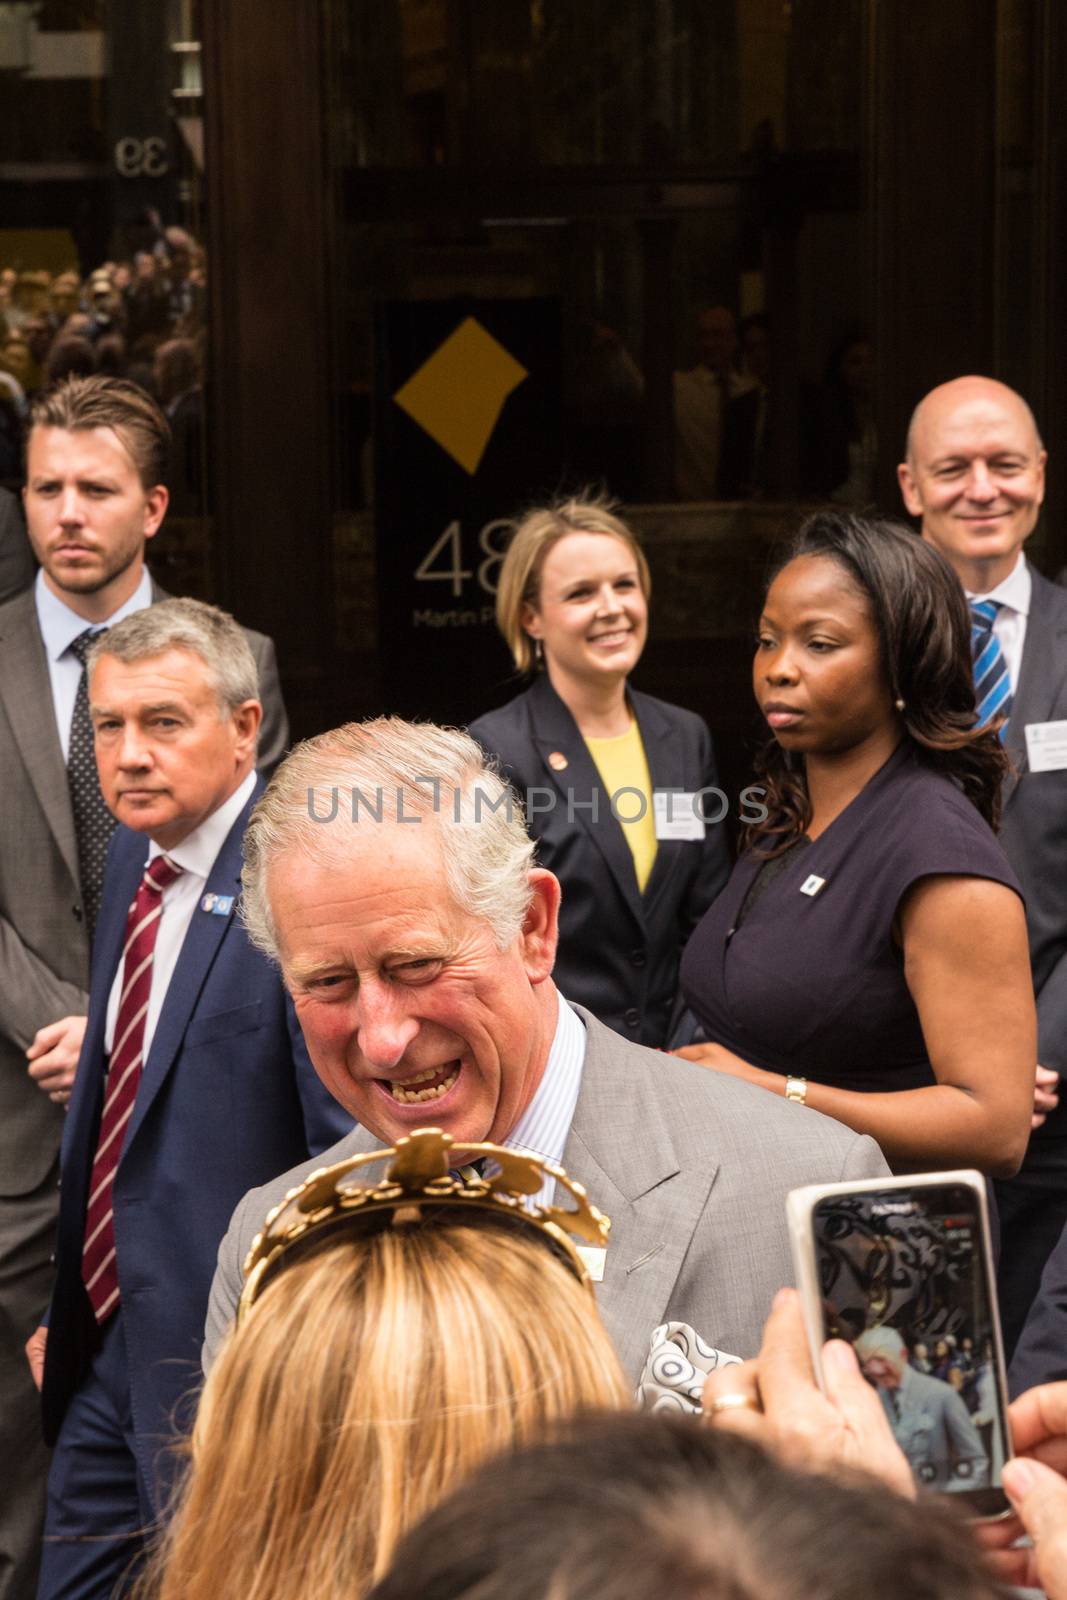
{"x": 733, "y": 1402}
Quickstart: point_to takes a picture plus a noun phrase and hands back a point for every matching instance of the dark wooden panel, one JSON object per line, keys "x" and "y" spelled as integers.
{"x": 268, "y": 233}
{"x": 932, "y": 200}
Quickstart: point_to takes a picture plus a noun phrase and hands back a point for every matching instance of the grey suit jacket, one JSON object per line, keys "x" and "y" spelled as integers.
{"x": 44, "y": 949}
{"x": 16, "y": 558}
{"x": 1034, "y": 829}
{"x": 933, "y": 1427}
{"x": 692, "y": 1167}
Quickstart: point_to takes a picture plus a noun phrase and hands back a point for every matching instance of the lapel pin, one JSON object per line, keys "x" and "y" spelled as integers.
{"x": 812, "y": 885}
{"x": 218, "y": 905}
{"x": 557, "y": 761}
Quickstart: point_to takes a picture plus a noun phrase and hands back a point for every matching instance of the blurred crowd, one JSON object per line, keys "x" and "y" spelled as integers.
{"x": 142, "y": 318}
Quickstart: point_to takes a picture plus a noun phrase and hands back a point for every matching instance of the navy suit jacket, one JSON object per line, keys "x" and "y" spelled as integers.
{"x": 1034, "y": 836}
{"x": 618, "y": 949}
{"x": 228, "y": 1099}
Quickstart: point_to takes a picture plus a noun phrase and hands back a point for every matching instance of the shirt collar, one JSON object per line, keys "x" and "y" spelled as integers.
{"x": 60, "y": 626}
{"x": 197, "y": 852}
{"x": 1014, "y": 591}
{"x": 543, "y": 1127}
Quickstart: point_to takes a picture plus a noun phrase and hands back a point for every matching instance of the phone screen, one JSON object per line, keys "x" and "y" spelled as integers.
{"x": 903, "y": 1276}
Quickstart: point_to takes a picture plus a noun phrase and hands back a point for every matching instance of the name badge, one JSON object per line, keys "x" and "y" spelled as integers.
{"x": 812, "y": 885}
{"x": 594, "y": 1257}
{"x": 1046, "y": 746}
{"x": 219, "y": 905}
{"x": 677, "y": 815}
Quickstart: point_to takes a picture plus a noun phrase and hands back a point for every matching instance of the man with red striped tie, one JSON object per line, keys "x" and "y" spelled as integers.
{"x": 193, "y": 1083}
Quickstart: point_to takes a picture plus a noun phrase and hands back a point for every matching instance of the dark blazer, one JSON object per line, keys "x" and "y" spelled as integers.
{"x": 1033, "y": 1283}
{"x": 17, "y": 565}
{"x": 618, "y": 949}
{"x": 228, "y": 1099}
{"x": 1034, "y": 830}
{"x": 1041, "y": 1353}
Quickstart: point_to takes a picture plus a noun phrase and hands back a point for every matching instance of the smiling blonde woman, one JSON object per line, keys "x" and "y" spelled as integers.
{"x": 587, "y": 754}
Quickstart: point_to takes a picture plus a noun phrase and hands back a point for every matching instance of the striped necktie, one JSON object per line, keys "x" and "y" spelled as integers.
{"x": 99, "y": 1267}
{"x": 992, "y": 685}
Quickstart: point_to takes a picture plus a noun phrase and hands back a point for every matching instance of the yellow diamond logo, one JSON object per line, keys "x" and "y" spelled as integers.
{"x": 458, "y": 394}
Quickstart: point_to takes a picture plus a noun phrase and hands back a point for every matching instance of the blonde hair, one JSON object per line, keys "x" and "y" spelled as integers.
{"x": 369, "y": 1380}
{"x": 520, "y": 572}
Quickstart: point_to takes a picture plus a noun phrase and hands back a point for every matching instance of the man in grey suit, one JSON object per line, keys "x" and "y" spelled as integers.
{"x": 975, "y": 474}
{"x": 389, "y": 872}
{"x": 16, "y": 557}
{"x": 95, "y": 461}
{"x": 930, "y": 1421}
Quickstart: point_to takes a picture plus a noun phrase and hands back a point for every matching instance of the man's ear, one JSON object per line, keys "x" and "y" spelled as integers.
{"x": 909, "y": 489}
{"x": 540, "y": 928}
{"x": 155, "y": 509}
{"x": 246, "y": 719}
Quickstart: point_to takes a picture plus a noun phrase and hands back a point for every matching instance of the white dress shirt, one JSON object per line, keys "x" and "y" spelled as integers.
{"x": 1013, "y": 597}
{"x": 196, "y": 856}
{"x": 543, "y": 1127}
{"x": 60, "y": 626}
{"x": 700, "y": 398}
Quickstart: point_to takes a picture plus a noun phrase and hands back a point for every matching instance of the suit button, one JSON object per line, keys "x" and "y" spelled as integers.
{"x": 638, "y": 958}
{"x": 51, "y": 1261}
{"x": 77, "y": 913}
{"x": 632, "y": 1018}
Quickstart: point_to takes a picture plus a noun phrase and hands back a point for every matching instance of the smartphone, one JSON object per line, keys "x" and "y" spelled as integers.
{"x": 903, "y": 1270}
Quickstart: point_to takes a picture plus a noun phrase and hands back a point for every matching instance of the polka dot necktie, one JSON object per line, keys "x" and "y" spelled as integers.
{"x": 992, "y": 685}
{"x": 93, "y": 822}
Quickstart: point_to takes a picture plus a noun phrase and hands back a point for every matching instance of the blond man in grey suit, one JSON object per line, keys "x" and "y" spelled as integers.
{"x": 389, "y": 872}
{"x": 96, "y": 459}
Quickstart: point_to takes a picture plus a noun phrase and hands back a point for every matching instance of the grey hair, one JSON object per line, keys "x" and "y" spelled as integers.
{"x": 885, "y": 1342}
{"x": 211, "y": 634}
{"x": 333, "y": 789}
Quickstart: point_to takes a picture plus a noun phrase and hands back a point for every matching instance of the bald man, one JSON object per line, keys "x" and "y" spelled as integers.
{"x": 975, "y": 475}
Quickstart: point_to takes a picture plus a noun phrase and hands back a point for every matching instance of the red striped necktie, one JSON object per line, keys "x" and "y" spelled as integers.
{"x": 99, "y": 1269}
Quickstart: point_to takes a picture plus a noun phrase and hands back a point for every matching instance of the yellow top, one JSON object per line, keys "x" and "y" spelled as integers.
{"x": 622, "y": 764}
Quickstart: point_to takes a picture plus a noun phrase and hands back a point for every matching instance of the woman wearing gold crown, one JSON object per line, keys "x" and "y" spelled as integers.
{"x": 401, "y": 1320}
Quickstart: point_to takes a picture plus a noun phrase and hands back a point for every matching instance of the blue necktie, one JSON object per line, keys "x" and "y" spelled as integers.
{"x": 992, "y": 685}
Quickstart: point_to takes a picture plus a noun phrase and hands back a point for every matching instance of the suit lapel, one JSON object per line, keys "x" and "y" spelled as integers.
{"x": 620, "y": 1148}
{"x": 1041, "y": 674}
{"x": 555, "y": 734}
{"x": 199, "y": 949}
{"x": 666, "y": 770}
{"x": 26, "y": 692}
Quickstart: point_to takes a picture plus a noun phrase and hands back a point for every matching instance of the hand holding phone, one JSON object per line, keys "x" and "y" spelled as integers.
{"x": 797, "y": 1421}
{"x": 902, "y": 1271}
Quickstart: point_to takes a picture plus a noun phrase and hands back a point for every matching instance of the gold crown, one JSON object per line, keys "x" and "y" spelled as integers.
{"x": 422, "y": 1172}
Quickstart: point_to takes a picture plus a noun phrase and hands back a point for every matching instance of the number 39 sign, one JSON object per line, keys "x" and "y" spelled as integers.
{"x": 467, "y": 411}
